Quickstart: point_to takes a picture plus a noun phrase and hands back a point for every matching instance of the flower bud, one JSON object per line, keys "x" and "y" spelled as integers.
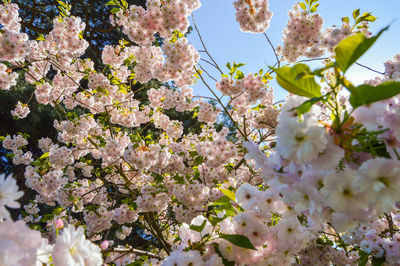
{"x": 59, "y": 224}
{"x": 104, "y": 245}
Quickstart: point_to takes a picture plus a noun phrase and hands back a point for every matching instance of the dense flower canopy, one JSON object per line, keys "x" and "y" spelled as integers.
{"x": 312, "y": 180}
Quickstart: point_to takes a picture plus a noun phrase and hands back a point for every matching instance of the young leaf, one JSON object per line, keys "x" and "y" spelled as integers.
{"x": 198, "y": 228}
{"x": 112, "y": 3}
{"x": 303, "y": 6}
{"x": 367, "y": 94}
{"x": 314, "y": 8}
{"x": 239, "y": 74}
{"x": 224, "y": 200}
{"x": 230, "y": 194}
{"x": 352, "y": 48}
{"x": 215, "y": 220}
{"x": 288, "y": 78}
{"x": 306, "y": 106}
{"x": 44, "y": 155}
{"x": 115, "y": 10}
{"x": 238, "y": 240}
{"x": 356, "y": 13}
{"x": 366, "y": 17}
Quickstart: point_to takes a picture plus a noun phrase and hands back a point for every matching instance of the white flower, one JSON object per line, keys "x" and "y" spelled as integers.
{"x": 329, "y": 158}
{"x": 340, "y": 195}
{"x": 300, "y": 141}
{"x": 18, "y": 244}
{"x": 72, "y": 248}
{"x": 369, "y": 114}
{"x": 8, "y": 195}
{"x": 181, "y": 258}
{"x": 379, "y": 179}
{"x": 247, "y": 196}
{"x": 261, "y": 160}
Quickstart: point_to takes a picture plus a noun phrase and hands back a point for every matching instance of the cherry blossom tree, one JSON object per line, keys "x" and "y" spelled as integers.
{"x": 313, "y": 180}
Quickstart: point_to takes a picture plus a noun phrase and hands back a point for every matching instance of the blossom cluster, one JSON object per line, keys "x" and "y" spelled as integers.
{"x": 162, "y": 17}
{"x": 253, "y": 15}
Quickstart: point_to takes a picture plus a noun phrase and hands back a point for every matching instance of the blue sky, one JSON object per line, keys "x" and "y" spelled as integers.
{"x": 223, "y": 38}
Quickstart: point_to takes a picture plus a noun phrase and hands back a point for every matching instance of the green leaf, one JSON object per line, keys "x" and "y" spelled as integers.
{"x": 345, "y": 19}
{"x": 350, "y": 49}
{"x": 239, "y": 75}
{"x": 40, "y": 38}
{"x": 198, "y": 228}
{"x": 112, "y": 3}
{"x": 363, "y": 258}
{"x": 224, "y": 200}
{"x": 115, "y": 10}
{"x": 228, "y": 65}
{"x": 378, "y": 261}
{"x": 287, "y": 78}
{"x": 314, "y": 8}
{"x": 44, "y": 155}
{"x": 306, "y": 106}
{"x": 198, "y": 160}
{"x": 303, "y": 6}
{"x": 238, "y": 240}
{"x": 366, "y": 17}
{"x": 215, "y": 220}
{"x": 63, "y": 4}
{"x": 230, "y": 194}
{"x": 367, "y": 94}
{"x": 124, "y": 4}
{"x": 356, "y": 13}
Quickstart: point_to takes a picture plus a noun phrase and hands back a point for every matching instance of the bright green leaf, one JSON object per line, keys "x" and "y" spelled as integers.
{"x": 303, "y": 6}
{"x": 287, "y": 78}
{"x": 238, "y": 240}
{"x": 366, "y": 17}
{"x": 112, "y": 3}
{"x": 230, "y": 194}
{"x": 45, "y": 155}
{"x": 314, "y": 8}
{"x": 367, "y": 94}
{"x": 115, "y": 10}
{"x": 215, "y": 220}
{"x": 224, "y": 200}
{"x": 350, "y": 49}
{"x": 306, "y": 106}
{"x": 356, "y": 13}
{"x": 239, "y": 75}
{"x": 198, "y": 228}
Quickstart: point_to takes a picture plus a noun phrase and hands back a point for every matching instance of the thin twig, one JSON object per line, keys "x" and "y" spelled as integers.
{"x": 314, "y": 59}
{"x": 273, "y": 48}
{"x": 132, "y": 250}
{"x": 208, "y": 62}
{"x": 208, "y": 74}
{"x": 373, "y": 70}
{"x": 204, "y": 46}
{"x": 222, "y": 105}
